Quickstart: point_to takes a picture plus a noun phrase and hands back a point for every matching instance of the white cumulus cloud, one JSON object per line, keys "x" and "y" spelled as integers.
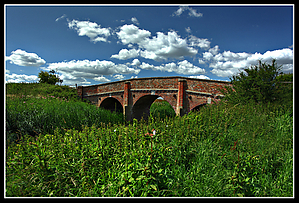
{"x": 80, "y": 70}
{"x": 185, "y": 67}
{"x": 86, "y": 67}
{"x": 119, "y": 77}
{"x": 90, "y": 29}
{"x": 135, "y": 62}
{"x": 227, "y": 63}
{"x": 125, "y": 54}
{"x": 160, "y": 47}
{"x": 167, "y": 46}
{"x": 207, "y": 56}
{"x": 199, "y": 42}
{"x": 16, "y": 78}
{"x": 181, "y": 67}
{"x": 132, "y": 34}
{"x": 101, "y": 79}
{"x": 23, "y": 58}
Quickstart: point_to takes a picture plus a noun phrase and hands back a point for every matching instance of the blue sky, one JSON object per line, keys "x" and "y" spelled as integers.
{"x": 95, "y": 44}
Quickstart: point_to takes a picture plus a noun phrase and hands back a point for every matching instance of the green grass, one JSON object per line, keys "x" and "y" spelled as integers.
{"x": 223, "y": 150}
{"x": 29, "y": 114}
{"x": 39, "y": 90}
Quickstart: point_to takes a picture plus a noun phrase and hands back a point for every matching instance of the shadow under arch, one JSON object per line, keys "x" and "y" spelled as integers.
{"x": 112, "y": 105}
{"x": 198, "y": 108}
{"x": 141, "y": 108}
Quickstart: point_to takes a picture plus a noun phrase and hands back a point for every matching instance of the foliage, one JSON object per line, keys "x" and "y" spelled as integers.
{"x": 285, "y": 88}
{"x": 49, "y": 77}
{"x": 288, "y": 77}
{"x": 40, "y": 90}
{"x": 257, "y": 83}
{"x": 161, "y": 109}
{"x": 223, "y": 150}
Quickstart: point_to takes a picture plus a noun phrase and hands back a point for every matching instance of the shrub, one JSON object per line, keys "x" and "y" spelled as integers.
{"x": 161, "y": 109}
{"x": 257, "y": 83}
{"x": 49, "y": 78}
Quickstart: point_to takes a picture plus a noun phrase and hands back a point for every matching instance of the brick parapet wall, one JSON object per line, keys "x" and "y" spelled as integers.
{"x": 198, "y": 85}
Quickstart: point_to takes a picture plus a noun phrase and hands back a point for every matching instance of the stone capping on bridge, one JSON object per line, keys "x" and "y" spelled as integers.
{"x": 98, "y": 94}
{"x": 134, "y": 96}
{"x": 148, "y": 78}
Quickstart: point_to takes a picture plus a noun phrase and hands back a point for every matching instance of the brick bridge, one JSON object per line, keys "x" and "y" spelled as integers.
{"x": 134, "y": 96}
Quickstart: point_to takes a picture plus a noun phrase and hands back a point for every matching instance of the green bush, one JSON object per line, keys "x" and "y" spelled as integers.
{"x": 258, "y": 83}
{"x": 161, "y": 109}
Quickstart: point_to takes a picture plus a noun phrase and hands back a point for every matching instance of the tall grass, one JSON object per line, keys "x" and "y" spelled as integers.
{"x": 223, "y": 150}
{"x": 29, "y": 115}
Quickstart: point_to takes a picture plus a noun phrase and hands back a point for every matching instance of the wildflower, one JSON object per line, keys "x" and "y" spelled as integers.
{"x": 154, "y": 132}
{"x": 24, "y": 102}
{"x": 149, "y": 134}
{"x": 114, "y": 130}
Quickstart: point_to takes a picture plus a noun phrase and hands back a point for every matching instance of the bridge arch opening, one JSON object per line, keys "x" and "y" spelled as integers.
{"x": 112, "y": 105}
{"x": 143, "y": 106}
{"x": 198, "y": 108}
{"x": 161, "y": 108}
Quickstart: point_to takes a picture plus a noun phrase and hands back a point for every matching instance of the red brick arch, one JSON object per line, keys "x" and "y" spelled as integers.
{"x": 112, "y": 104}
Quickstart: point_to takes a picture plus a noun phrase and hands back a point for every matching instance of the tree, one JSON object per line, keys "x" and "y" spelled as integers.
{"x": 48, "y": 77}
{"x": 257, "y": 83}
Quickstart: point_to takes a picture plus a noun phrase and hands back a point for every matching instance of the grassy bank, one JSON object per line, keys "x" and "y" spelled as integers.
{"x": 40, "y": 90}
{"x": 33, "y": 109}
